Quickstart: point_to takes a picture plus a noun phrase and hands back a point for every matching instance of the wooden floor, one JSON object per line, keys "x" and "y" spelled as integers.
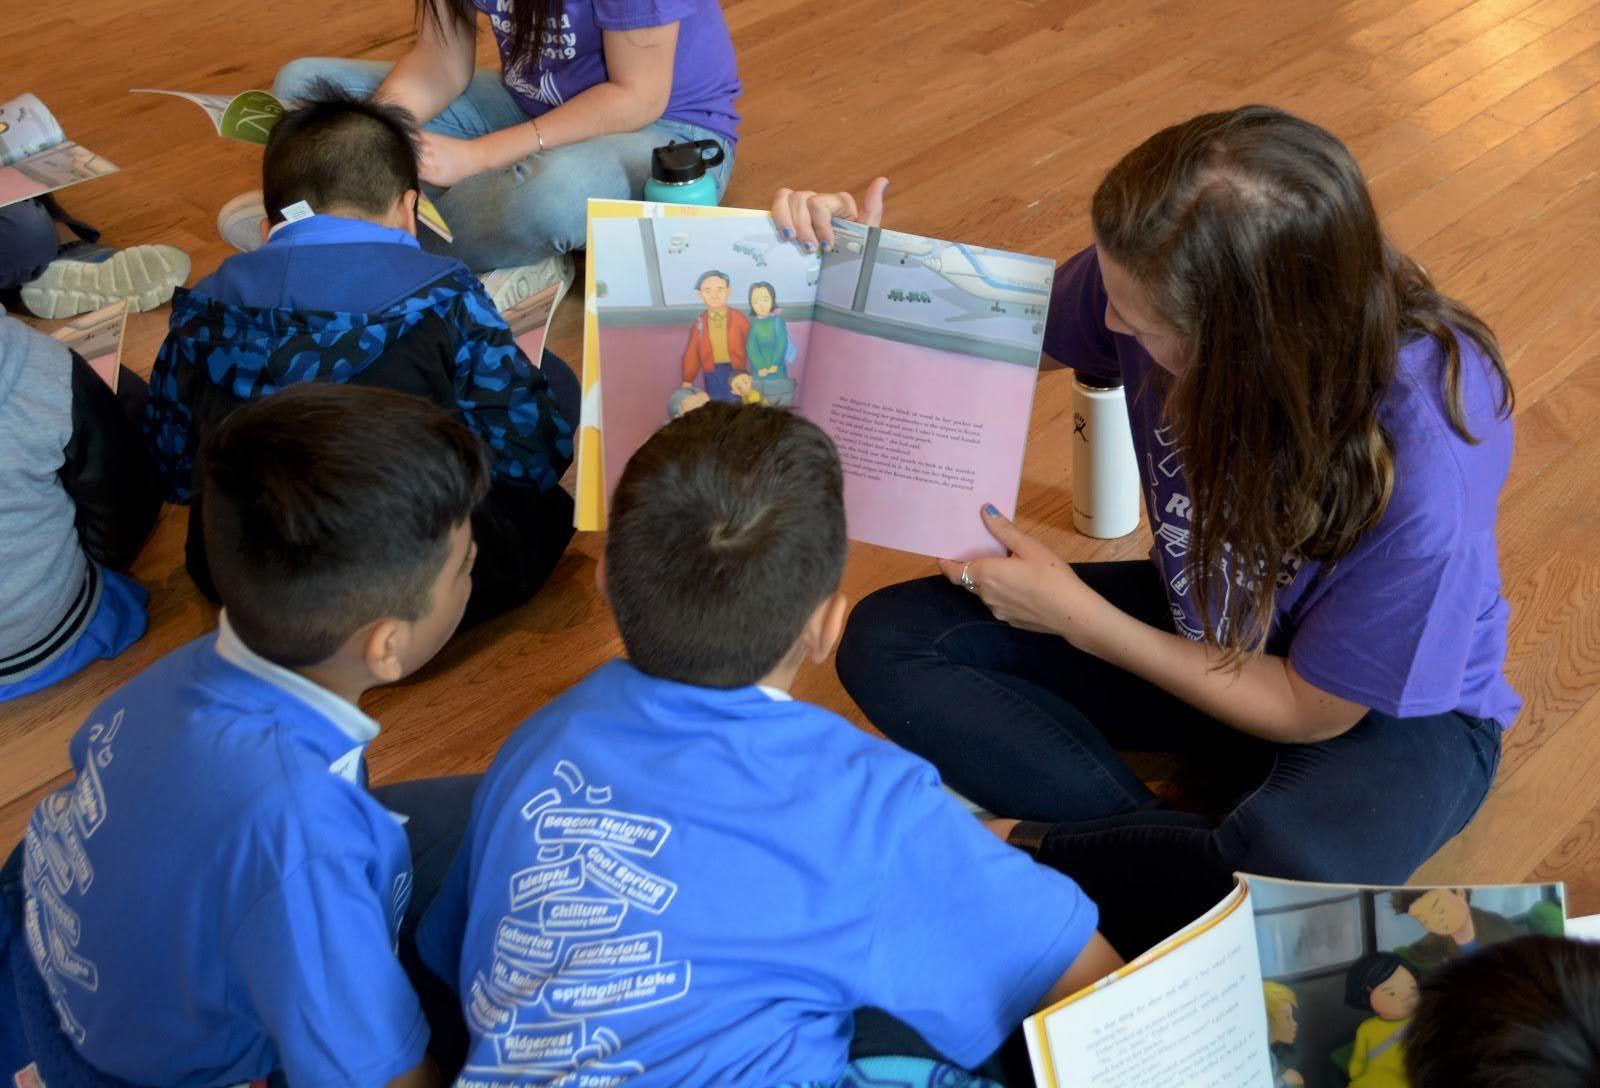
{"x": 1477, "y": 121}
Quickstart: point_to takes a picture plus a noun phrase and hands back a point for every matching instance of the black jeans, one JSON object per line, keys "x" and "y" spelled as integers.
{"x": 436, "y": 811}
{"x": 1029, "y": 727}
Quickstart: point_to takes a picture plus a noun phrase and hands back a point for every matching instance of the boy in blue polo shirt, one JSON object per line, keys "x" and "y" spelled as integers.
{"x": 341, "y": 292}
{"x": 676, "y": 874}
{"x": 217, "y": 897}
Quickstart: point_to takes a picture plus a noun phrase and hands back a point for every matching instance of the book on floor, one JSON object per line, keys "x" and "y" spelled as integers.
{"x": 529, "y": 319}
{"x": 97, "y": 336}
{"x": 917, "y": 356}
{"x": 1281, "y": 983}
{"x": 35, "y": 155}
{"x": 250, "y": 116}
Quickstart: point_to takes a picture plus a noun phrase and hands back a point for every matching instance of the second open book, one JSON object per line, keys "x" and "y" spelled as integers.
{"x": 1281, "y": 983}
{"x": 917, "y": 356}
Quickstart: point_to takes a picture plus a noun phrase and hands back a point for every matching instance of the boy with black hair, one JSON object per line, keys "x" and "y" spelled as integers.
{"x": 217, "y": 897}
{"x": 341, "y": 292}
{"x": 677, "y": 874}
{"x": 1522, "y": 1014}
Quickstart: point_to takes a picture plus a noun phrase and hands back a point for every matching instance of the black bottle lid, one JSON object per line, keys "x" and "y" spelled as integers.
{"x": 678, "y": 163}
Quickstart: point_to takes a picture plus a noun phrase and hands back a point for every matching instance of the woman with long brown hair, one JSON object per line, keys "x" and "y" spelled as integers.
{"x": 1322, "y": 439}
{"x": 586, "y": 89}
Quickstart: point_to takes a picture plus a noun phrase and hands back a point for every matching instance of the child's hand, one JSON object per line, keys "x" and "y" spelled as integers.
{"x": 445, "y": 160}
{"x": 806, "y": 217}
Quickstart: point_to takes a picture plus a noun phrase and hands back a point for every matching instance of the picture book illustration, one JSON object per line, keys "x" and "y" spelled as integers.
{"x": 917, "y": 356}
{"x": 97, "y": 336}
{"x": 1281, "y": 984}
{"x": 250, "y": 116}
{"x": 35, "y": 155}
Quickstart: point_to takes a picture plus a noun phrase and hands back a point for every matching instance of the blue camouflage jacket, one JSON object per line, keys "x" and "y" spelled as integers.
{"x": 342, "y": 300}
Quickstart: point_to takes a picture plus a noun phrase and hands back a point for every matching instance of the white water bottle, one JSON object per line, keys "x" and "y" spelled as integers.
{"x": 1105, "y": 470}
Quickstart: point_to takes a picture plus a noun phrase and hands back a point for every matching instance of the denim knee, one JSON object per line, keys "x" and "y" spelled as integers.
{"x": 27, "y": 242}
{"x": 297, "y": 78}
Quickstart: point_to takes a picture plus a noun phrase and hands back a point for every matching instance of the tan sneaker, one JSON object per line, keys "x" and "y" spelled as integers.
{"x": 509, "y": 286}
{"x": 239, "y": 221}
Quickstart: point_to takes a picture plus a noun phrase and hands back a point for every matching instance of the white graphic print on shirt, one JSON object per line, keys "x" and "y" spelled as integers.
{"x": 558, "y": 42}
{"x": 576, "y": 946}
{"x": 55, "y": 866}
{"x": 1170, "y": 525}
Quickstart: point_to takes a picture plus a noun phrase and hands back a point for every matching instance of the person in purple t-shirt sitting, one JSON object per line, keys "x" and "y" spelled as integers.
{"x": 586, "y": 89}
{"x": 1322, "y": 439}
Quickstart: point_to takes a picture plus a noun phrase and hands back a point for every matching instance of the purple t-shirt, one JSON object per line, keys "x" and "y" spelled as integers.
{"x": 1411, "y": 621}
{"x": 571, "y": 57}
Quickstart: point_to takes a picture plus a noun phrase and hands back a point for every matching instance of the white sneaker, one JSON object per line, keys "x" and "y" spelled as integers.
{"x": 509, "y": 286}
{"x": 87, "y": 277}
{"x": 239, "y": 221}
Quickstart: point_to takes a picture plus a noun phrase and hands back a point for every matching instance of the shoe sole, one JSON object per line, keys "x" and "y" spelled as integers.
{"x": 144, "y": 275}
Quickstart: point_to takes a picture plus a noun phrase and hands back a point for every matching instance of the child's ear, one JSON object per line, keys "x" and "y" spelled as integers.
{"x": 408, "y": 210}
{"x": 825, "y": 626}
{"x": 266, "y": 229}
{"x": 384, "y": 651}
{"x": 600, "y": 578}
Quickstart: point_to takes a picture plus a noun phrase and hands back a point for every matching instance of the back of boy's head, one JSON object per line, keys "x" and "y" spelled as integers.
{"x": 328, "y": 507}
{"x": 727, "y": 530}
{"x": 336, "y": 151}
{"x": 1522, "y": 1014}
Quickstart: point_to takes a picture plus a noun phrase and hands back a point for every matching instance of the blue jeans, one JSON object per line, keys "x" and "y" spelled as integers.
{"x": 1029, "y": 727}
{"x": 534, "y": 208}
{"x": 27, "y": 242}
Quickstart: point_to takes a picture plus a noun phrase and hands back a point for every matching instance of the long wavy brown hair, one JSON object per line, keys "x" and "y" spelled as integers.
{"x": 527, "y": 16}
{"x": 1254, "y": 236}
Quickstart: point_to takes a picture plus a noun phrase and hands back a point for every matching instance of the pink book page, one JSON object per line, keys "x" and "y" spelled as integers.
{"x": 921, "y": 368}
{"x": 926, "y": 438}
{"x": 63, "y": 165}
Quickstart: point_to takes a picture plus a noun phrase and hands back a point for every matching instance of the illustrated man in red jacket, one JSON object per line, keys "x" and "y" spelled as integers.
{"x": 716, "y": 340}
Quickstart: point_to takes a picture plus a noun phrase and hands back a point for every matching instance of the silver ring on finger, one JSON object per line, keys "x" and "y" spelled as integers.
{"x": 966, "y": 579}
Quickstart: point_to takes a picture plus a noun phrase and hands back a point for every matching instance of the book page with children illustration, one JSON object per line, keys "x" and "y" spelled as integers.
{"x": 35, "y": 155}
{"x": 917, "y": 356}
{"x": 1281, "y": 985}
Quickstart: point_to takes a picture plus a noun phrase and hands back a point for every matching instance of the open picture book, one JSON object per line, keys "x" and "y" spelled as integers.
{"x": 97, "y": 336}
{"x": 917, "y": 356}
{"x": 250, "y": 115}
{"x": 1281, "y": 983}
{"x": 35, "y": 155}
{"x": 529, "y": 319}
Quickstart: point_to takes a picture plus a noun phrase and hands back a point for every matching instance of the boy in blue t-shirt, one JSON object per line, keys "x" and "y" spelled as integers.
{"x": 676, "y": 874}
{"x": 342, "y": 292}
{"x": 217, "y": 897}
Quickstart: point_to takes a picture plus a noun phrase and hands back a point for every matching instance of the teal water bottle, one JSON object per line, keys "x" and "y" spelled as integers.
{"x": 678, "y": 173}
